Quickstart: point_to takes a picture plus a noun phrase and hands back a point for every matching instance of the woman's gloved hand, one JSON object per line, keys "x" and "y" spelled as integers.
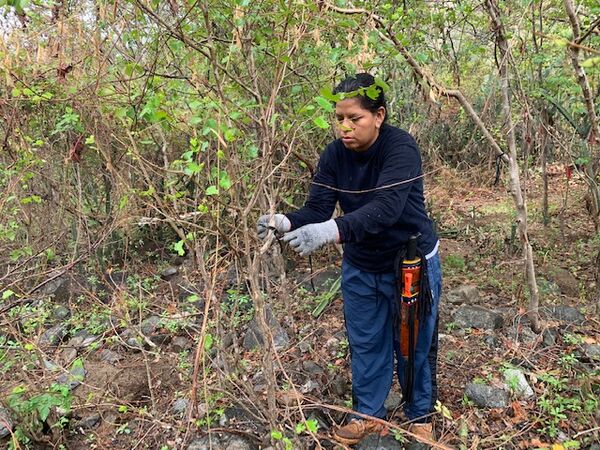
{"x": 308, "y": 238}
{"x": 277, "y": 222}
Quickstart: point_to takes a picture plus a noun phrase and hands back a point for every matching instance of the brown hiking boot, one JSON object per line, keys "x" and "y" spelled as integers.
{"x": 423, "y": 431}
{"x": 356, "y": 430}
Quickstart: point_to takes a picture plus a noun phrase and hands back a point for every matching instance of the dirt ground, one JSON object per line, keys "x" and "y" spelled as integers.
{"x": 134, "y": 397}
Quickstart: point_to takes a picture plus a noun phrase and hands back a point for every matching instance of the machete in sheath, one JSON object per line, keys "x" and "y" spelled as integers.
{"x": 413, "y": 302}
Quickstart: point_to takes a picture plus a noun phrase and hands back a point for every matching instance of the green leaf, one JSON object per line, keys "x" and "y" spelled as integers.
{"x": 224, "y": 180}
{"x": 591, "y": 62}
{"x": 179, "y": 247}
{"x": 325, "y": 104}
{"x": 193, "y": 298}
{"x": 50, "y": 254}
{"x": 277, "y": 435}
{"x": 321, "y": 122}
{"x": 212, "y": 190}
{"x": 229, "y": 134}
{"x": 253, "y": 151}
{"x": 31, "y": 199}
{"x": 328, "y": 94}
{"x": 312, "y": 425}
{"x": 193, "y": 168}
{"x": 382, "y": 84}
{"x": 90, "y": 140}
{"x": 123, "y": 201}
{"x": 7, "y": 294}
{"x": 208, "y": 342}
{"x": 373, "y": 92}
{"x": 300, "y": 428}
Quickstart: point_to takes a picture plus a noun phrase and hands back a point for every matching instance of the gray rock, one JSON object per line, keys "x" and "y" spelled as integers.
{"x": 150, "y": 325}
{"x": 67, "y": 355}
{"x": 339, "y": 386}
{"x": 472, "y": 316}
{"x": 82, "y": 339}
{"x": 491, "y": 341}
{"x": 416, "y": 446}
{"x": 567, "y": 314}
{"x": 222, "y": 441}
{"x": 522, "y": 333}
{"x": 88, "y": 422}
{"x": 161, "y": 338}
{"x": 516, "y": 381}
{"x": 463, "y": 294}
{"x": 236, "y": 416}
{"x": 59, "y": 289}
{"x": 218, "y": 361}
{"x": 549, "y": 336}
{"x": 180, "y": 407}
{"x": 74, "y": 378}
{"x": 109, "y": 356}
{"x": 132, "y": 340}
{"x": 393, "y": 401}
{"x": 569, "y": 285}
{"x": 310, "y": 386}
{"x": 227, "y": 341}
{"x": 51, "y": 365}
{"x": 254, "y": 337}
{"x": 259, "y": 382}
{"x": 135, "y": 344}
{"x": 304, "y": 346}
{"x": 592, "y": 351}
{"x": 377, "y": 442}
{"x": 116, "y": 279}
{"x": 53, "y": 336}
{"x": 594, "y": 447}
{"x": 181, "y": 343}
{"x": 6, "y": 423}
{"x": 61, "y": 313}
{"x": 487, "y": 396}
{"x": 332, "y": 344}
{"x": 312, "y": 367}
{"x": 169, "y": 273}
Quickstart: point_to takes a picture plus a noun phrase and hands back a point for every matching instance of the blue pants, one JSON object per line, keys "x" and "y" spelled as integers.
{"x": 368, "y": 309}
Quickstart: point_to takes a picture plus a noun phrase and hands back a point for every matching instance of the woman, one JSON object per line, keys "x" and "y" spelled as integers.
{"x": 374, "y": 171}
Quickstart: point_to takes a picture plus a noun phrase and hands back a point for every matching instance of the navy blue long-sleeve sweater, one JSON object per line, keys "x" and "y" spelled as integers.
{"x": 375, "y": 224}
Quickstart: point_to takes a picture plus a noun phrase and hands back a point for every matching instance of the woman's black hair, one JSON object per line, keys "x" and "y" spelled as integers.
{"x": 363, "y": 80}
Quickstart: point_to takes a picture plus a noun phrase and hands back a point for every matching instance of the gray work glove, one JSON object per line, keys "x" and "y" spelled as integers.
{"x": 277, "y": 222}
{"x": 308, "y": 238}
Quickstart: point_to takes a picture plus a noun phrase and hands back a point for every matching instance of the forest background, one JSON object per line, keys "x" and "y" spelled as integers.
{"x": 141, "y": 139}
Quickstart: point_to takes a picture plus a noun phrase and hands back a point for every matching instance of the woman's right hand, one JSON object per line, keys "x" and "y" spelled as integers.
{"x": 276, "y": 222}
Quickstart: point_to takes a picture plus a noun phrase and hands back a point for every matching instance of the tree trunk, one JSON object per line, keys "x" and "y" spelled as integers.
{"x": 543, "y": 139}
{"x": 593, "y": 138}
{"x": 515, "y": 183}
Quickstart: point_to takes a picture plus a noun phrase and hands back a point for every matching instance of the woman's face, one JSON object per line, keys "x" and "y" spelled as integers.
{"x": 357, "y": 127}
